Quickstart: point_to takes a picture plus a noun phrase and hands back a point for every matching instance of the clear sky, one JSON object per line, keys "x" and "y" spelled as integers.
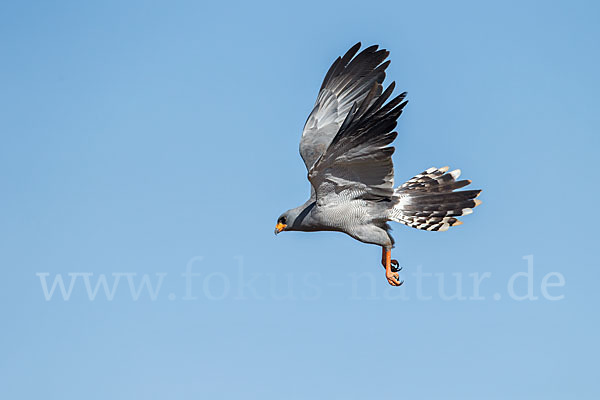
{"x": 159, "y": 140}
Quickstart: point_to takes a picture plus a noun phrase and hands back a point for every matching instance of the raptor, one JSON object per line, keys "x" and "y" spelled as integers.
{"x": 345, "y": 146}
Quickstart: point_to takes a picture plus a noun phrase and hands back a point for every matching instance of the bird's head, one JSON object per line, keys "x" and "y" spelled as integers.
{"x": 283, "y": 222}
{"x": 291, "y": 220}
{"x": 296, "y": 219}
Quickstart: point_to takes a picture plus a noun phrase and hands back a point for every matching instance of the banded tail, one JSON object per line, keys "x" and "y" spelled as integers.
{"x": 428, "y": 200}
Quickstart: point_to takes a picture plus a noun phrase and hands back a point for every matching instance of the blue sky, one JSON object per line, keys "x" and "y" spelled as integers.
{"x": 154, "y": 138}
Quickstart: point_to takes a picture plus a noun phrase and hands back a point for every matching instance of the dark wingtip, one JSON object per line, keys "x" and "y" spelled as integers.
{"x": 371, "y": 49}
{"x": 354, "y": 49}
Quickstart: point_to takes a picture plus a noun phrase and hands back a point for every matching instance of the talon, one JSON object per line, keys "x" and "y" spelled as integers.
{"x": 393, "y": 279}
{"x": 395, "y": 266}
{"x": 392, "y": 267}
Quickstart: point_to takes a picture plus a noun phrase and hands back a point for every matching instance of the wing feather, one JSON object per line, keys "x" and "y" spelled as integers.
{"x": 358, "y": 159}
{"x": 352, "y": 78}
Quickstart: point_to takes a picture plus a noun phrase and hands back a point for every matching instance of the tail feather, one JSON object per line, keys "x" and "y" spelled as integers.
{"x": 428, "y": 201}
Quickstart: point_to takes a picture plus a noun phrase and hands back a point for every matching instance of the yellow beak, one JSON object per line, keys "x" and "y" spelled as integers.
{"x": 279, "y": 227}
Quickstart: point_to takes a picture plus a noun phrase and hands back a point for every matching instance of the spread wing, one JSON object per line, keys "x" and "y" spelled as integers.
{"x": 348, "y": 81}
{"x": 358, "y": 162}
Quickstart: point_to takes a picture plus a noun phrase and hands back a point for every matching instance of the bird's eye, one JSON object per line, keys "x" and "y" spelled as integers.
{"x": 282, "y": 220}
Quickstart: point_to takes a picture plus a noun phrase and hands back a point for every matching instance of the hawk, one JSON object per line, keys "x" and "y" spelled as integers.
{"x": 345, "y": 146}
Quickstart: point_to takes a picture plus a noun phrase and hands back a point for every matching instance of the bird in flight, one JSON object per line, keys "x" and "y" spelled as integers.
{"x": 345, "y": 146}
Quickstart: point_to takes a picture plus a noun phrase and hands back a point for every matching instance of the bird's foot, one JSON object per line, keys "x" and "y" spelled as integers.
{"x": 392, "y": 267}
{"x": 393, "y": 278}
